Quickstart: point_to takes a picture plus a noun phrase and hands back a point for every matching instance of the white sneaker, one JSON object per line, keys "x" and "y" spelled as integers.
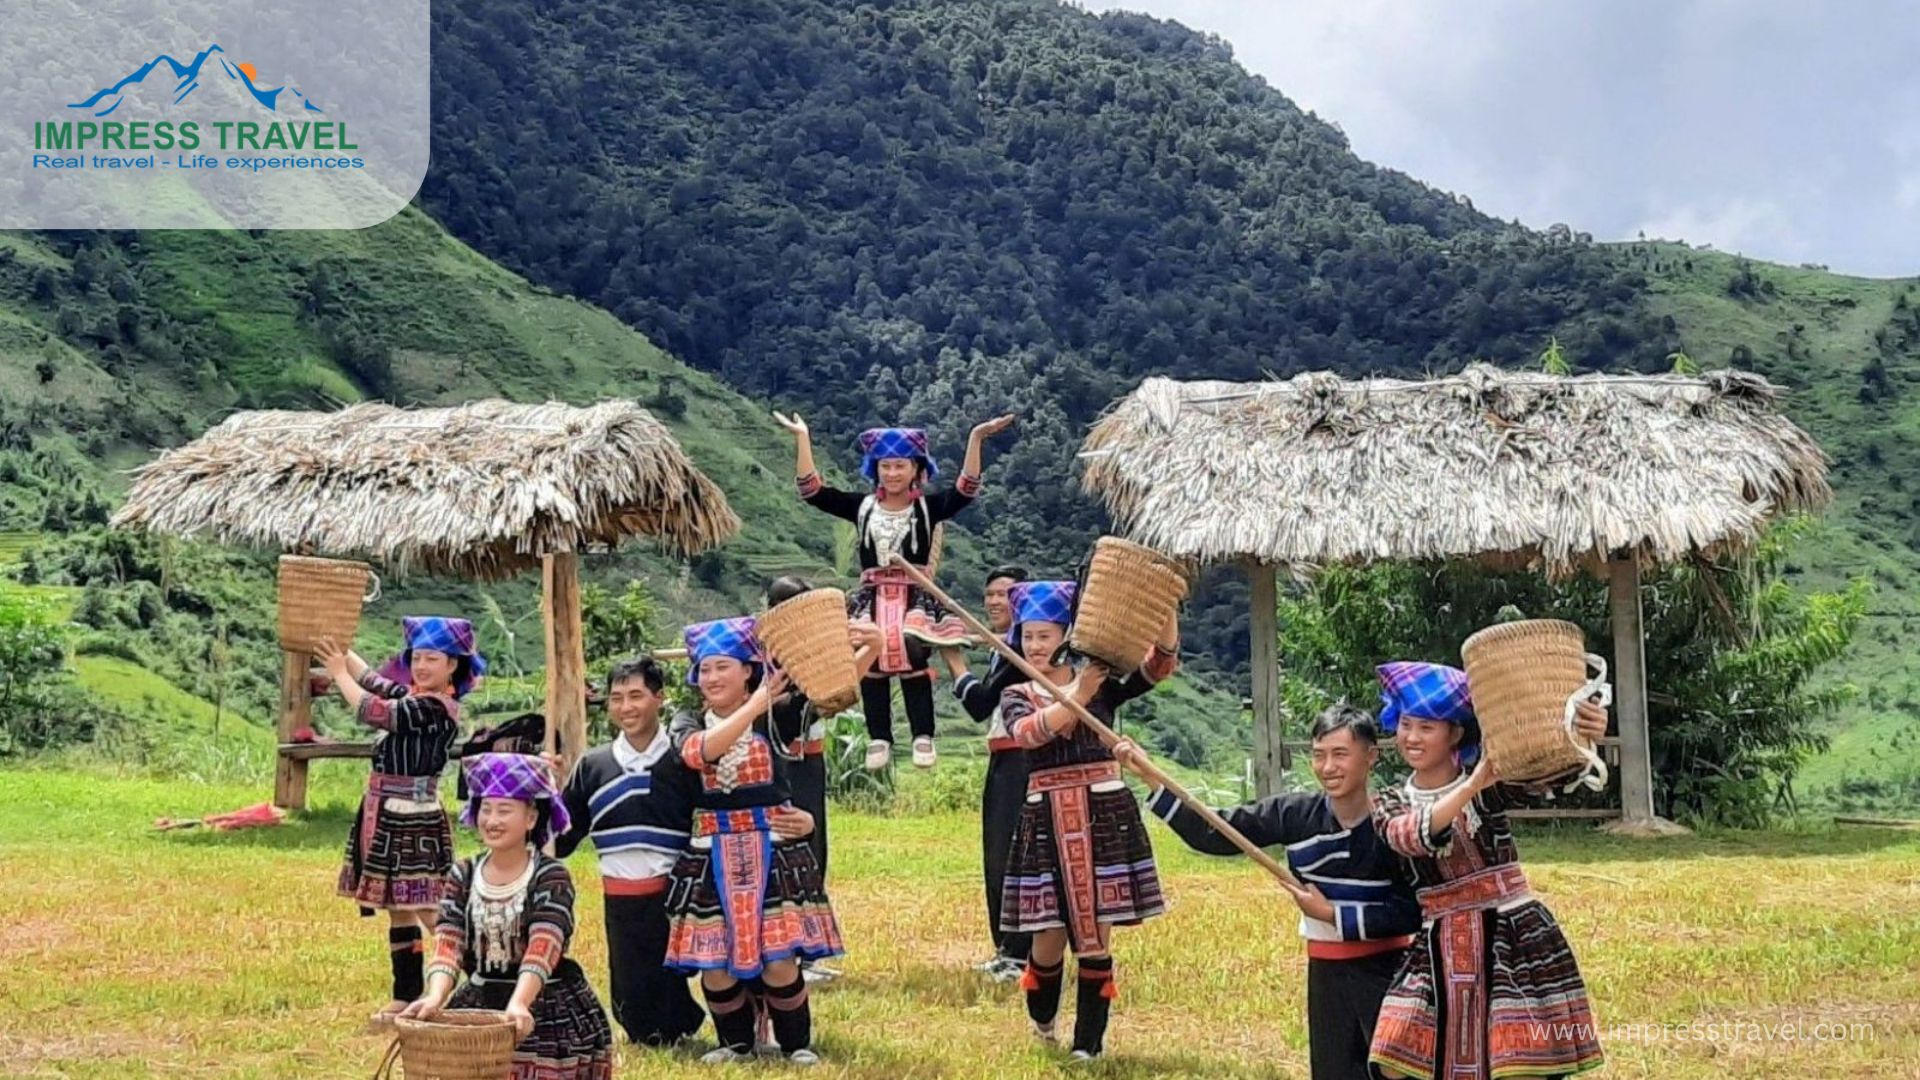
{"x": 1007, "y": 969}
{"x": 723, "y": 1055}
{"x": 1082, "y": 1056}
{"x": 923, "y": 755}
{"x": 804, "y": 1058}
{"x": 991, "y": 965}
{"x": 1046, "y": 1033}
{"x": 879, "y": 755}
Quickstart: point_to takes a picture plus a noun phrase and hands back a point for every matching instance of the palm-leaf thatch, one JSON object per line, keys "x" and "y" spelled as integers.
{"x": 481, "y": 491}
{"x": 1514, "y": 468}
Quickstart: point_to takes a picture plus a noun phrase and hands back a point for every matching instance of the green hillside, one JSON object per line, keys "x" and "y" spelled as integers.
{"x": 1849, "y": 350}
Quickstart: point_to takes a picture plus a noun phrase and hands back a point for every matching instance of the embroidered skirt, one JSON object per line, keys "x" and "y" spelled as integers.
{"x": 571, "y": 1038}
{"x": 1485, "y": 991}
{"x": 1081, "y": 858}
{"x": 910, "y": 621}
{"x": 747, "y": 901}
{"x": 401, "y": 848}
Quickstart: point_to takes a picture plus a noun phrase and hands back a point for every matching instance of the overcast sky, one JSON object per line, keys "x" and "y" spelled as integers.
{"x": 1785, "y": 129}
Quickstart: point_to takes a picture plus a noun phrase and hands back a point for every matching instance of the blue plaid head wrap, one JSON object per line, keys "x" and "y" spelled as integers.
{"x": 1039, "y": 601}
{"x": 1429, "y": 692}
{"x": 878, "y": 444}
{"x": 442, "y": 634}
{"x": 721, "y": 637}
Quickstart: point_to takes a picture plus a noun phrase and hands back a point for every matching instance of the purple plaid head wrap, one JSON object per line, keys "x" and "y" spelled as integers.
{"x": 721, "y": 637}
{"x": 1039, "y": 601}
{"x": 1429, "y": 692}
{"x": 441, "y": 634}
{"x": 878, "y": 444}
{"x": 515, "y": 776}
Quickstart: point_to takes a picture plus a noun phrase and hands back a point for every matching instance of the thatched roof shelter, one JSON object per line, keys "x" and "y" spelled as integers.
{"x": 1497, "y": 465}
{"x": 1609, "y": 473}
{"x": 481, "y": 490}
{"x": 485, "y": 490}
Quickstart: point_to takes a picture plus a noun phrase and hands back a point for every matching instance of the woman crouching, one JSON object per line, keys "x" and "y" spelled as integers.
{"x": 506, "y": 922}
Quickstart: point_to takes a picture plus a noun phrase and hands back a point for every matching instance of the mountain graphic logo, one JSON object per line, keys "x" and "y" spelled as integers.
{"x": 187, "y": 78}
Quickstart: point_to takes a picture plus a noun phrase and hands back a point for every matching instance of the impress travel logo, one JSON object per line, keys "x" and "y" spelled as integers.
{"x": 229, "y": 87}
{"x": 277, "y": 120}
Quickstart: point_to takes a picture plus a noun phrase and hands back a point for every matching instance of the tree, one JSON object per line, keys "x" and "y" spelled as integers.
{"x": 1731, "y": 654}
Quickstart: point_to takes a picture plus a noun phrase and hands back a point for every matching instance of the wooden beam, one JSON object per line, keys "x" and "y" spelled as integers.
{"x": 1630, "y": 692}
{"x": 1270, "y": 757}
{"x": 566, "y": 656}
{"x": 304, "y": 752}
{"x": 1544, "y": 813}
{"x": 296, "y": 712}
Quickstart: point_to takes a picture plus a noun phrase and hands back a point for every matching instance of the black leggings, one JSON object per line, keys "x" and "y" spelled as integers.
{"x": 916, "y": 689}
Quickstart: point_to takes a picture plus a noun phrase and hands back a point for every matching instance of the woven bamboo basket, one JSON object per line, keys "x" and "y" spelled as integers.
{"x": 1125, "y": 600}
{"x": 1521, "y": 675}
{"x": 807, "y": 636}
{"x": 320, "y": 599}
{"x": 458, "y": 1044}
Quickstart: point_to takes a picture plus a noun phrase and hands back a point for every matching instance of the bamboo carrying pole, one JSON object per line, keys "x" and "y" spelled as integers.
{"x": 1106, "y": 734}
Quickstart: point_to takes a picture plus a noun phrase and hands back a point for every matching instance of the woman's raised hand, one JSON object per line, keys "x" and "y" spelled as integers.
{"x": 794, "y": 424}
{"x": 987, "y": 429}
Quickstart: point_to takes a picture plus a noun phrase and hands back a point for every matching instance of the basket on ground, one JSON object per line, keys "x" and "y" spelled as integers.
{"x": 807, "y": 636}
{"x": 458, "y": 1044}
{"x": 320, "y": 599}
{"x": 1129, "y": 593}
{"x": 1521, "y": 675}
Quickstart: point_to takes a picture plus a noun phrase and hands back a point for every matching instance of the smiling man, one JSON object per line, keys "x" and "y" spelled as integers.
{"x": 1359, "y": 915}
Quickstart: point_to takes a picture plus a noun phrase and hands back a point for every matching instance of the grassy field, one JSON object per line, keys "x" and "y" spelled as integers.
{"x": 136, "y": 954}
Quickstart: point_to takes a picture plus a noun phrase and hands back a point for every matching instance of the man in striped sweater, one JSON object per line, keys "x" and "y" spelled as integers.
{"x": 638, "y": 812}
{"x": 1359, "y": 913}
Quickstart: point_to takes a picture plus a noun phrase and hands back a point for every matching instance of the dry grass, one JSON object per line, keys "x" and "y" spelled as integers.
{"x": 1515, "y": 467}
{"x": 481, "y": 490}
{"x": 133, "y": 954}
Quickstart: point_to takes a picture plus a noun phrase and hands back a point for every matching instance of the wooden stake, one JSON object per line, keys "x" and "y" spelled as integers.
{"x": 1147, "y": 768}
{"x": 296, "y": 712}
{"x": 566, "y": 657}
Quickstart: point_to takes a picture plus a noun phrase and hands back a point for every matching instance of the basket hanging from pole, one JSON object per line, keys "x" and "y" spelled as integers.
{"x": 1124, "y": 602}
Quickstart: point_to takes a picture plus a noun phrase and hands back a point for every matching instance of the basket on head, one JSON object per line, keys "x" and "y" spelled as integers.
{"x": 1125, "y": 601}
{"x": 1521, "y": 675}
{"x": 458, "y": 1044}
{"x": 320, "y": 599}
{"x": 807, "y": 636}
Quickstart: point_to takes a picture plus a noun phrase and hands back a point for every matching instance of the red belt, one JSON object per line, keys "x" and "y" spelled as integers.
{"x": 1477, "y": 891}
{"x": 1000, "y": 745}
{"x": 1354, "y": 950}
{"x": 646, "y": 886}
{"x": 807, "y": 747}
{"x": 1071, "y": 776}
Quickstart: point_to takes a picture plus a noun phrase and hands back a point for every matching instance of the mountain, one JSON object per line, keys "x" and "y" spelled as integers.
{"x": 926, "y": 211}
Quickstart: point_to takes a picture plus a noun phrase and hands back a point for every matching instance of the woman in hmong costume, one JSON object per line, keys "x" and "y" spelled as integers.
{"x": 506, "y": 922}
{"x": 896, "y": 518}
{"x": 746, "y": 903}
{"x": 401, "y": 846}
{"x": 1081, "y": 862}
{"x": 1490, "y": 987}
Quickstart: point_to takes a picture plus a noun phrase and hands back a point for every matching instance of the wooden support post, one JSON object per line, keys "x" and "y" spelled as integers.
{"x": 566, "y": 656}
{"x": 1630, "y": 693}
{"x": 1270, "y": 757}
{"x": 296, "y": 713}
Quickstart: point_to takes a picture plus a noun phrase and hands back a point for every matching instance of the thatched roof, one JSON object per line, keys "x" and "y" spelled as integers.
{"x": 482, "y": 490}
{"x": 1506, "y": 467}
